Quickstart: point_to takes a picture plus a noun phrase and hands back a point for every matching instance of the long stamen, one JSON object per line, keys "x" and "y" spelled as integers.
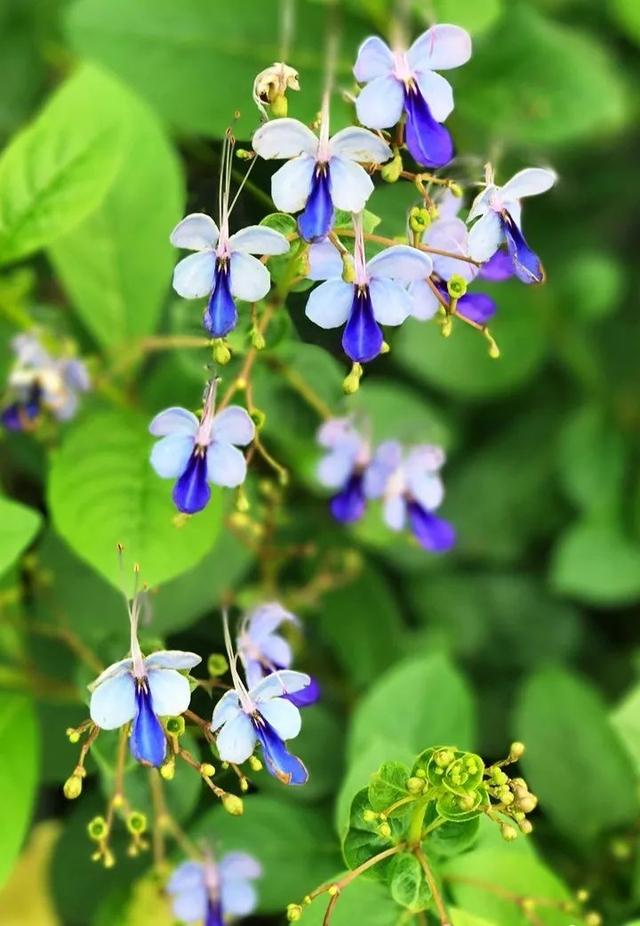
{"x": 242, "y": 692}
{"x": 134, "y": 614}
{"x": 359, "y": 255}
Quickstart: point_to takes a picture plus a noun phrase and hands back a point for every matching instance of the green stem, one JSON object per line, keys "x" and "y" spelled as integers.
{"x": 414, "y": 837}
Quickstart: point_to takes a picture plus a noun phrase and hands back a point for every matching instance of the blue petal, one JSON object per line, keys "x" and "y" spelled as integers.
{"x": 147, "y": 743}
{"x": 220, "y": 315}
{"x": 478, "y": 307}
{"x": 497, "y": 268}
{"x": 431, "y": 532}
{"x": 429, "y": 143}
{"x": 349, "y": 504}
{"x": 526, "y": 263}
{"x": 191, "y": 492}
{"x": 316, "y": 221}
{"x": 307, "y": 696}
{"x": 17, "y": 417}
{"x": 362, "y": 337}
{"x": 214, "y": 914}
{"x": 279, "y": 761}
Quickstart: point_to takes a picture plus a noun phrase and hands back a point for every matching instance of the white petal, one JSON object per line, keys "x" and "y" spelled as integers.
{"x": 427, "y": 489}
{"x": 485, "y": 237}
{"x": 233, "y": 425}
{"x": 379, "y": 105}
{"x": 424, "y": 301}
{"x": 170, "y": 692}
{"x": 360, "y": 145}
{"x": 250, "y": 278}
{"x": 439, "y": 48}
{"x": 285, "y": 681}
{"x": 284, "y": 138}
{"x": 391, "y": 303}
{"x": 400, "y": 262}
{"x": 330, "y": 303}
{"x": 226, "y": 709}
{"x": 335, "y": 468}
{"x": 325, "y": 262}
{"x": 437, "y": 92}
{"x": 395, "y": 512}
{"x": 226, "y": 465}
{"x": 238, "y": 897}
{"x": 169, "y": 456}
{"x": 482, "y": 203}
{"x": 196, "y": 232}
{"x": 193, "y": 276}
{"x": 350, "y": 185}
{"x": 450, "y": 235}
{"x": 259, "y": 239}
{"x": 291, "y": 184}
{"x": 239, "y": 866}
{"x": 236, "y": 740}
{"x": 374, "y": 60}
{"x": 191, "y": 906}
{"x": 172, "y": 659}
{"x": 113, "y": 703}
{"x": 283, "y": 716}
{"x": 174, "y": 420}
{"x": 528, "y": 182}
{"x": 112, "y": 671}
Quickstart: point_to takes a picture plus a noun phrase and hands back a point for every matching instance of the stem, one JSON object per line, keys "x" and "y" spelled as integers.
{"x": 431, "y": 881}
{"x": 304, "y": 390}
{"x": 414, "y": 836}
{"x": 380, "y": 239}
{"x": 243, "y": 376}
{"x": 356, "y": 872}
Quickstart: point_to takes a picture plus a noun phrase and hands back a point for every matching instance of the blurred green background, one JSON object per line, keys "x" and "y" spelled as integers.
{"x": 528, "y": 630}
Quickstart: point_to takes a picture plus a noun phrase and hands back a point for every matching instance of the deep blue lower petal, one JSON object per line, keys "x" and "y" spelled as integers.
{"x": 279, "y": 761}
{"x": 307, "y": 696}
{"x": 429, "y": 143}
{"x": 19, "y": 415}
{"x": 148, "y": 743}
{"x": 316, "y": 221}
{"x": 497, "y": 268}
{"x": 220, "y": 315}
{"x": 478, "y": 307}
{"x": 526, "y": 262}
{"x": 362, "y": 337}
{"x": 214, "y": 914}
{"x": 431, "y": 532}
{"x": 191, "y": 492}
{"x": 349, "y": 504}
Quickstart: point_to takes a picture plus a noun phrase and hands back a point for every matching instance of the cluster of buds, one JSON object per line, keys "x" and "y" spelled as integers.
{"x": 511, "y": 796}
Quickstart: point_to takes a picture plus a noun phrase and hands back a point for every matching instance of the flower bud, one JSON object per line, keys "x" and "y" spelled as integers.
{"x": 217, "y": 665}
{"x": 592, "y": 919}
{"x": 516, "y": 751}
{"x": 294, "y": 912}
{"x": 456, "y": 287}
{"x": 168, "y": 770}
{"x": 443, "y": 758}
{"x": 175, "y": 725}
{"x": 384, "y": 830}
{"x": 221, "y": 353}
{"x": 351, "y": 382}
{"x": 384, "y": 348}
{"x": 243, "y": 155}
{"x": 456, "y": 189}
{"x": 257, "y": 339}
{"x": 72, "y": 787}
{"x": 73, "y": 735}
{"x": 526, "y": 827}
{"x": 108, "y": 859}
{"x": 392, "y": 169}
{"x": 255, "y": 764}
{"x": 419, "y": 219}
{"x": 582, "y": 895}
{"x": 508, "y": 832}
{"x": 117, "y": 801}
{"x": 258, "y": 417}
{"x": 446, "y": 327}
{"x": 333, "y": 890}
{"x": 369, "y": 816}
{"x": 233, "y": 805}
{"x": 97, "y": 829}
{"x": 136, "y": 822}
{"x": 207, "y": 770}
{"x": 415, "y": 785}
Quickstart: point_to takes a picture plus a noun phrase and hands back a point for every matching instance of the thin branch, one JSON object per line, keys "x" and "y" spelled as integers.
{"x": 431, "y": 881}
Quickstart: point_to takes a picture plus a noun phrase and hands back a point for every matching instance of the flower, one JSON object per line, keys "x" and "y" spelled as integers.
{"x": 342, "y": 467}
{"x": 41, "y": 381}
{"x": 263, "y": 651}
{"x": 262, "y": 714}
{"x": 411, "y": 489}
{"x": 407, "y": 80}
{"x": 142, "y": 689}
{"x": 321, "y": 174}
{"x": 497, "y": 211}
{"x": 207, "y": 891}
{"x": 198, "y": 452}
{"x": 375, "y": 298}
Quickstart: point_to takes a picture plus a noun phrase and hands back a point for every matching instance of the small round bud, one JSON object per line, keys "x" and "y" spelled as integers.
{"x": 207, "y": 770}
{"x": 294, "y": 912}
{"x": 108, "y": 859}
{"x": 526, "y": 827}
{"x": 528, "y": 803}
{"x": 233, "y": 805}
{"x": 72, "y": 787}
{"x": 73, "y": 735}
{"x": 136, "y": 822}
{"x": 243, "y": 155}
{"x": 351, "y": 382}
{"x": 508, "y": 832}
{"x": 221, "y": 353}
{"x": 498, "y": 776}
{"x": 242, "y": 502}
{"x": 369, "y": 816}
{"x": 456, "y": 189}
{"x": 392, "y": 169}
{"x": 516, "y": 751}
{"x": 97, "y": 829}
{"x": 419, "y": 219}
{"x": 466, "y": 802}
{"x": 384, "y": 830}
{"x": 592, "y": 919}
{"x": 582, "y": 895}
{"x": 333, "y": 890}
{"x": 443, "y": 758}
{"x": 175, "y": 725}
{"x": 415, "y": 785}
{"x": 217, "y": 665}
{"x": 446, "y": 327}
{"x": 257, "y": 339}
{"x": 117, "y": 801}
{"x": 255, "y": 764}
{"x": 456, "y": 287}
{"x": 279, "y": 106}
{"x": 168, "y": 770}
{"x": 244, "y": 785}
{"x": 384, "y": 349}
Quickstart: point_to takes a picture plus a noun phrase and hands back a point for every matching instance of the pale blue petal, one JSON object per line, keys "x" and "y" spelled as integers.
{"x": 239, "y": 898}
{"x": 391, "y": 303}
{"x": 233, "y": 425}
{"x": 193, "y": 276}
{"x": 427, "y": 489}
{"x": 226, "y": 465}
{"x": 187, "y": 876}
{"x": 330, "y": 303}
{"x": 191, "y": 906}
{"x": 250, "y": 278}
{"x": 335, "y": 468}
{"x": 485, "y": 237}
{"x": 481, "y": 204}
{"x": 283, "y": 716}
{"x": 325, "y": 262}
{"x": 386, "y": 460}
{"x": 529, "y": 182}
{"x": 448, "y": 205}
{"x": 379, "y": 105}
{"x": 439, "y": 48}
{"x": 226, "y": 709}
{"x": 113, "y": 702}
{"x": 277, "y": 684}
{"x": 236, "y": 740}
{"x": 400, "y": 262}
{"x": 174, "y": 421}
{"x": 112, "y": 671}
{"x": 172, "y": 659}
{"x": 170, "y": 692}
{"x": 284, "y": 138}
{"x": 450, "y": 235}
{"x": 169, "y": 456}
{"x": 374, "y": 60}
{"x": 196, "y": 232}
{"x": 239, "y": 866}
{"x": 427, "y": 458}
{"x": 394, "y": 512}
{"x": 350, "y": 185}
{"x": 277, "y": 651}
{"x": 291, "y": 184}
{"x": 437, "y": 91}
{"x": 424, "y": 302}
{"x": 357, "y": 144}
{"x": 266, "y": 618}
{"x": 259, "y": 239}
{"x": 338, "y": 431}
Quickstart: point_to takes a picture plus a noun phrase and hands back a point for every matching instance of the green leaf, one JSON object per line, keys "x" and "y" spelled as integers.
{"x": 462, "y": 918}
{"x": 452, "y": 837}
{"x": 627, "y": 15}
{"x": 407, "y": 885}
{"x": 19, "y": 748}
{"x": 57, "y": 170}
{"x": 395, "y": 411}
{"x": 471, "y": 15}
{"x": 597, "y": 563}
{"x": 103, "y": 491}
{"x": 626, "y": 720}
{"x": 363, "y": 841}
{"x": 388, "y": 785}
{"x": 400, "y": 707}
{"x": 116, "y": 265}
{"x": 574, "y": 760}
{"x": 363, "y": 901}
{"x": 18, "y": 527}
{"x": 592, "y": 458}
{"x": 361, "y": 767}
{"x": 592, "y": 284}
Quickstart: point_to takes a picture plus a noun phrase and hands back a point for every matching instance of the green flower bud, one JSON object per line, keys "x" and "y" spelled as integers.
{"x": 243, "y": 155}
{"x": 592, "y": 919}
{"x": 369, "y": 816}
{"x": 221, "y": 353}
{"x": 526, "y": 827}
{"x": 516, "y": 751}
{"x": 456, "y": 189}
{"x": 294, "y": 912}
{"x": 168, "y": 770}
{"x": 446, "y": 327}
{"x": 108, "y": 859}
{"x": 415, "y": 785}
{"x": 136, "y": 822}
{"x": 348, "y": 268}
{"x": 97, "y": 829}
{"x": 207, "y": 770}
{"x": 582, "y": 895}
{"x": 351, "y": 382}
{"x": 508, "y": 832}
{"x": 443, "y": 758}
{"x": 73, "y": 735}
{"x": 72, "y": 787}
{"x": 528, "y": 804}
{"x": 217, "y": 665}
{"x": 257, "y": 339}
{"x": 392, "y": 169}
{"x": 174, "y": 725}
{"x": 419, "y": 219}
{"x": 233, "y": 805}
{"x": 456, "y": 287}
{"x": 255, "y": 764}
{"x": 384, "y": 830}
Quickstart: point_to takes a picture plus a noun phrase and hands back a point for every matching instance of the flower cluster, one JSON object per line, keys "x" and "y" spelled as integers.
{"x": 407, "y": 481}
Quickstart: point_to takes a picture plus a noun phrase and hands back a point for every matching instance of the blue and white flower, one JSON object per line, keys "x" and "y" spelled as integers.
{"x": 263, "y": 714}
{"x": 343, "y": 467}
{"x": 142, "y": 689}
{"x": 411, "y": 489}
{"x": 407, "y": 80}
{"x": 378, "y": 296}
{"x": 321, "y": 174}
{"x": 198, "y": 452}
{"x": 208, "y": 891}
{"x": 496, "y": 213}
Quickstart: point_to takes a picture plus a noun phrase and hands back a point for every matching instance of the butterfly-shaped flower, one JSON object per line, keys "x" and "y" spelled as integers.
{"x": 378, "y": 296}
{"x": 406, "y": 80}
{"x": 321, "y": 174}
{"x": 342, "y": 467}
{"x": 498, "y": 214}
{"x": 142, "y": 689}
{"x": 263, "y": 714}
{"x": 198, "y": 452}
{"x": 207, "y": 891}
{"x": 411, "y": 489}
{"x": 263, "y": 651}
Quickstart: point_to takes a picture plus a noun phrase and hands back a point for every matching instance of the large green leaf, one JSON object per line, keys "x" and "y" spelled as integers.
{"x": 597, "y": 563}
{"x": 103, "y": 491}
{"x": 363, "y": 765}
{"x": 626, "y": 720}
{"x": 627, "y": 14}
{"x": 574, "y": 758}
{"x": 362, "y": 902}
{"x": 18, "y": 526}
{"x": 592, "y": 460}
{"x": 116, "y": 265}
{"x": 57, "y": 170}
{"x": 19, "y": 748}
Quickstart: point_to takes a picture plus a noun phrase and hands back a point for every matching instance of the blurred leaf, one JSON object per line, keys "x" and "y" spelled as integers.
{"x": 471, "y": 15}
{"x": 408, "y": 886}
{"x": 574, "y": 761}
{"x": 18, "y": 527}
{"x": 61, "y": 755}
{"x": 20, "y": 751}
{"x": 626, "y": 720}
{"x": 25, "y": 899}
{"x": 362, "y": 902}
{"x": 393, "y": 410}
{"x": 627, "y": 15}
{"x": 592, "y": 284}
{"x": 362, "y": 766}
{"x": 149, "y": 905}
{"x": 22, "y": 70}
{"x": 462, "y": 918}
{"x": 103, "y": 491}
{"x": 597, "y": 564}
{"x": 116, "y": 265}
{"x": 57, "y": 170}
{"x": 592, "y": 458}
